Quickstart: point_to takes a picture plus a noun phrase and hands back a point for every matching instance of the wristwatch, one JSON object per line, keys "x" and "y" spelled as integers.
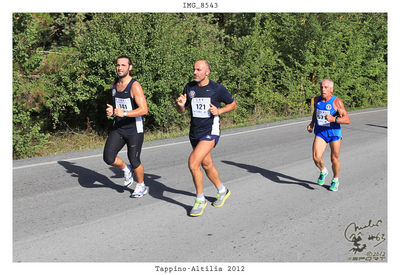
{"x": 125, "y": 114}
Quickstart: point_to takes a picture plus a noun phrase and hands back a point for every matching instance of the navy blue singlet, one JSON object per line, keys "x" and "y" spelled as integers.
{"x": 202, "y": 122}
{"x": 124, "y": 100}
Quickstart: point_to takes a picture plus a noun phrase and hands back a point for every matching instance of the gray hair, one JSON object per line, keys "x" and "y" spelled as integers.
{"x": 327, "y": 79}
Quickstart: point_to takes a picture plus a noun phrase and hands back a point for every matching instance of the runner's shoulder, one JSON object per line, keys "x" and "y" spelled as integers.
{"x": 191, "y": 84}
{"x": 338, "y": 103}
{"x": 217, "y": 87}
{"x": 315, "y": 99}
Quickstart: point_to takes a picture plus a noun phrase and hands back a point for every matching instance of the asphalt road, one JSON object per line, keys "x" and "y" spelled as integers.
{"x": 72, "y": 207}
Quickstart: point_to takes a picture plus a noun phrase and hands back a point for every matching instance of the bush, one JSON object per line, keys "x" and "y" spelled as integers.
{"x": 272, "y": 63}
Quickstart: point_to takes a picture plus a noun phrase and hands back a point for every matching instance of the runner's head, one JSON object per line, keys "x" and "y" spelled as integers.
{"x": 201, "y": 70}
{"x": 326, "y": 87}
{"x": 123, "y": 66}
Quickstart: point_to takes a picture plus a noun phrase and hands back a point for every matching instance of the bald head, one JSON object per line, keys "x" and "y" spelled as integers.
{"x": 201, "y": 70}
{"x": 203, "y": 62}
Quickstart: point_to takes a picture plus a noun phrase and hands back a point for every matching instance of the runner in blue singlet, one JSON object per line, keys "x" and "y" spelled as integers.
{"x": 329, "y": 113}
{"x": 328, "y": 131}
{"x": 203, "y": 98}
{"x": 129, "y": 106}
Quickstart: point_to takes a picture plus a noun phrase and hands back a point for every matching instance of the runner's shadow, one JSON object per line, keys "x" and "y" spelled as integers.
{"x": 374, "y": 125}
{"x": 157, "y": 190}
{"x": 90, "y": 179}
{"x": 271, "y": 175}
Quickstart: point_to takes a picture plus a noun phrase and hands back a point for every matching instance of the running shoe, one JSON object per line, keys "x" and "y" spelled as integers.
{"x": 140, "y": 191}
{"x": 221, "y": 198}
{"x": 321, "y": 179}
{"x": 334, "y": 185}
{"x": 128, "y": 177}
{"x": 198, "y": 208}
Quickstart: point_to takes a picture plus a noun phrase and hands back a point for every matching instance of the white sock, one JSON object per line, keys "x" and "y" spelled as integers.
{"x": 200, "y": 197}
{"x": 221, "y": 189}
{"x": 324, "y": 170}
{"x": 126, "y": 169}
{"x": 140, "y": 183}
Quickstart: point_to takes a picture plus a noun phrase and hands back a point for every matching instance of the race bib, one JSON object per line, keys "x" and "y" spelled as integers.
{"x": 321, "y": 118}
{"x": 201, "y": 107}
{"x": 123, "y": 103}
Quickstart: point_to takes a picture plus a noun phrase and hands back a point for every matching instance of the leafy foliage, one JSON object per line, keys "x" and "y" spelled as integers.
{"x": 63, "y": 64}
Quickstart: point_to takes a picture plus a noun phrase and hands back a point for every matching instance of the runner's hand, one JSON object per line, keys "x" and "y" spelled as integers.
{"x": 181, "y": 101}
{"x": 330, "y": 118}
{"x": 109, "y": 110}
{"x": 310, "y": 128}
{"x": 214, "y": 110}
{"x": 119, "y": 112}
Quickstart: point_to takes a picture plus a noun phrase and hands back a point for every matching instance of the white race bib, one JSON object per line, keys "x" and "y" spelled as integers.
{"x": 201, "y": 107}
{"x": 123, "y": 103}
{"x": 321, "y": 118}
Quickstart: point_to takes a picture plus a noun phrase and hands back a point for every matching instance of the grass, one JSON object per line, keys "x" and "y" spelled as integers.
{"x": 72, "y": 141}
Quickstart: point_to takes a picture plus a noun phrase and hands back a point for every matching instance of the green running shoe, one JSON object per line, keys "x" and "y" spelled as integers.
{"x": 321, "y": 179}
{"x": 221, "y": 198}
{"x": 198, "y": 208}
{"x": 334, "y": 185}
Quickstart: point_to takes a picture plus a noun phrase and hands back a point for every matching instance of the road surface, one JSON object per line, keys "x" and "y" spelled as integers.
{"x": 72, "y": 207}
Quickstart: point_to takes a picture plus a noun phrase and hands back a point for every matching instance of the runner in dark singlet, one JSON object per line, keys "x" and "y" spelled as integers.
{"x": 129, "y": 106}
{"x": 203, "y": 98}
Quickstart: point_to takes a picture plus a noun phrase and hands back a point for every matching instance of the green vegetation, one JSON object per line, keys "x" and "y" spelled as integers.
{"x": 63, "y": 65}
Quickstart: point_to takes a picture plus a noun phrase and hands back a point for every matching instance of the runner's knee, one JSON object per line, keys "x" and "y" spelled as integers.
{"x": 108, "y": 158}
{"x": 334, "y": 158}
{"x": 207, "y": 164}
{"x": 134, "y": 149}
{"x": 193, "y": 164}
{"x": 317, "y": 157}
{"x": 135, "y": 161}
{"x": 113, "y": 144}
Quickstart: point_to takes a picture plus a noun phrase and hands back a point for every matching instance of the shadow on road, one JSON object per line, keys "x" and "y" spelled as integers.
{"x": 374, "y": 125}
{"x": 157, "y": 189}
{"x": 271, "y": 175}
{"x": 90, "y": 179}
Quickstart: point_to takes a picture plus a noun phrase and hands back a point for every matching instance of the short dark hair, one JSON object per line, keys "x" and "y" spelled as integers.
{"x": 129, "y": 62}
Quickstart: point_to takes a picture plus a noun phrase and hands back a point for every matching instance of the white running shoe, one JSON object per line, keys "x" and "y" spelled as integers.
{"x": 140, "y": 191}
{"x": 128, "y": 177}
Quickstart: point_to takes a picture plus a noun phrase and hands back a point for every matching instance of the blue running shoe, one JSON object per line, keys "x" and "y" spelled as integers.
{"x": 321, "y": 179}
{"x": 334, "y": 185}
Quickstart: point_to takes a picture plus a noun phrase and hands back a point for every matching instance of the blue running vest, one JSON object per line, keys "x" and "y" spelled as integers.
{"x": 321, "y": 124}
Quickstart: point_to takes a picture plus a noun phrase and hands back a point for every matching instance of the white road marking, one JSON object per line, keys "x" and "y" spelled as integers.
{"x": 183, "y": 142}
